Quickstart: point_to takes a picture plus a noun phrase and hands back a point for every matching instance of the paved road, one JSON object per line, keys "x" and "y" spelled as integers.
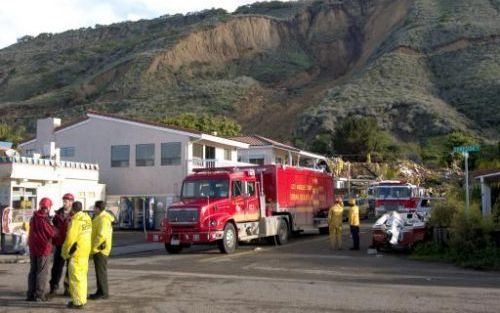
{"x": 303, "y": 276}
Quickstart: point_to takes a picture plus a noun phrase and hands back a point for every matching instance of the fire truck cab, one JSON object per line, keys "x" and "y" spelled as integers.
{"x": 394, "y": 195}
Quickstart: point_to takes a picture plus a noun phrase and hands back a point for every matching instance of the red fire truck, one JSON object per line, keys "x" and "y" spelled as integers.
{"x": 395, "y": 195}
{"x": 228, "y": 205}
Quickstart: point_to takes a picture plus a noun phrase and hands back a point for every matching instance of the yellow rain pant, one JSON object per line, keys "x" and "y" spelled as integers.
{"x": 335, "y": 225}
{"x": 336, "y": 237}
{"x": 77, "y": 271}
{"x": 76, "y": 249}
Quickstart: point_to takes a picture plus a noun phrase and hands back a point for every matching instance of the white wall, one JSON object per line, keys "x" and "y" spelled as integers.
{"x": 93, "y": 140}
{"x": 256, "y": 153}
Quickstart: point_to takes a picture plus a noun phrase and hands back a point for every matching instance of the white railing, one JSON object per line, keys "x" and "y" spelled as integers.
{"x": 210, "y": 163}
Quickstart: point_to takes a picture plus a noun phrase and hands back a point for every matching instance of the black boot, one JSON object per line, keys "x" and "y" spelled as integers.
{"x": 71, "y": 305}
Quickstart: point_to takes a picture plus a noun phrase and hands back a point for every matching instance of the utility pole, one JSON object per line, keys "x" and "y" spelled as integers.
{"x": 464, "y": 150}
{"x": 349, "y": 179}
{"x": 466, "y": 156}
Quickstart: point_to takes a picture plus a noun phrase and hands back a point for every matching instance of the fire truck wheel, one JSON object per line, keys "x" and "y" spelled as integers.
{"x": 283, "y": 233}
{"x": 173, "y": 249}
{"x": 229, "y": 241}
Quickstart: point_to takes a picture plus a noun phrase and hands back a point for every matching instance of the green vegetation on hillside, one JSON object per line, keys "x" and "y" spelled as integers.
{"x": 437, "y": 73}
{"x": 283, "y": 69}
{"x": 222, "y": 126}
{"x": 10, "y": 134}
{"x": 272, "y": 8}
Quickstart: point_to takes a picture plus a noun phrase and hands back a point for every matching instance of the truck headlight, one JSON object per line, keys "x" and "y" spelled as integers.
{"x": 213, "y": 223}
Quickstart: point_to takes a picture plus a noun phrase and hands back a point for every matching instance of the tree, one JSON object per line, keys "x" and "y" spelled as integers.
{"x": 7, "y": 133}
{"x": 25, "y": 38}
{"x": 360, "y": 138}
{"x": 322, "y": 144}
{"x": 456, "y": 139}
{"x": 223, "y": 126}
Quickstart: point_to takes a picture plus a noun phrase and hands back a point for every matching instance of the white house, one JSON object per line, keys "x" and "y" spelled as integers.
{"x": 263, "y": 150}
{"x": 142, "y": 163}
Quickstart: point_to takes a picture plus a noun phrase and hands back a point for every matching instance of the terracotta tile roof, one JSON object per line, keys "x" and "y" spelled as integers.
{"x": 74, "y": 122}
{"x": 479, "y": 173}
{"x": 256, "y": 140}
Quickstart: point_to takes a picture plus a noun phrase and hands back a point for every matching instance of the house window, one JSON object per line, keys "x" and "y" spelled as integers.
{"x": 120, "y": 156}
{"x": 259, "y": 161}
{"x": 68, "y": 152}
{"x": 145, "y": 154}
{"x": 171, "y": 153}
{"x": 197, "y": 151}
{"x": 227, "y": 154}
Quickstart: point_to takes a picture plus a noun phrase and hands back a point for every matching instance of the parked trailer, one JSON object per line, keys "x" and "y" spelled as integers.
{"x": 230, "y": 205}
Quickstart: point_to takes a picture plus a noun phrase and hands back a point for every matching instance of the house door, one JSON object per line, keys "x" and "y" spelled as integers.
{"x": 209, "y": 153}
{"x": 210, "y": 157}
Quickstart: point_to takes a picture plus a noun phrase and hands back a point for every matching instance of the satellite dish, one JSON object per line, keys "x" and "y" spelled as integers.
{"x": 11, "y": 153}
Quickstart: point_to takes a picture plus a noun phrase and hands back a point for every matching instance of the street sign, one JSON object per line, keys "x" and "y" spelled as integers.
{"x": 470, "y": 148}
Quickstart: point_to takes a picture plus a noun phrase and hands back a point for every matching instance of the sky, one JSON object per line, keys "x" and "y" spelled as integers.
{"x": 32, "y": 17}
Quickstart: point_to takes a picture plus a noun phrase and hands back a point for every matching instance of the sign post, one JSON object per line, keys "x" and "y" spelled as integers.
{"x": 465, "y": 152}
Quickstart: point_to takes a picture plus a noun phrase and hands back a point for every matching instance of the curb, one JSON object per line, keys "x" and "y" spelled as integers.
{"x": 15, "y": 261}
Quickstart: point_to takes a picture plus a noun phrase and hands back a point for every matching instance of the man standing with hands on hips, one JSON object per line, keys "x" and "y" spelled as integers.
{"x": 102, "y": 236}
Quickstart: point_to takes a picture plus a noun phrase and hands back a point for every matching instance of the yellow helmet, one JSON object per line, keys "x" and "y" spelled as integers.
{"x": 352, "y": 201}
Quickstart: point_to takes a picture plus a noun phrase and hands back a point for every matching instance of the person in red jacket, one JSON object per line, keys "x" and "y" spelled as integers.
{"x": 40, "y": 244}
{"x": 61, "y": 221}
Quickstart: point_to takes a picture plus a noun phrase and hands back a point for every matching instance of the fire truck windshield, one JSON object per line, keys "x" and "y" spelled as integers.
{"x": 392, "y": 192}
{"x": 213, "y": 188}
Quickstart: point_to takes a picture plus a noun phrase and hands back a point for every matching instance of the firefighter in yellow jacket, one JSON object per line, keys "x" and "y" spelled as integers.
{"x": 335, "y": 224}
{"x": 76, "y": 249}
{"x": 354, "y": 223}
{"x": 102, "y": 236}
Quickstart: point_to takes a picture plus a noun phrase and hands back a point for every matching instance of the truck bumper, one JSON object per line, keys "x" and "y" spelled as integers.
{"x": 156, "y": 236}
{"x": 185, "y": 237}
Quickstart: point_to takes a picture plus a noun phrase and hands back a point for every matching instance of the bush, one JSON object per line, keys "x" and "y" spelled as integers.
{"x": 443, "y": 212}
{"x": 8, "y": 133}
{"x": 470, "y": 235}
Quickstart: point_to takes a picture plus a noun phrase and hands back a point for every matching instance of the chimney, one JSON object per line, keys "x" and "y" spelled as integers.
{"x": 45, "y": 135}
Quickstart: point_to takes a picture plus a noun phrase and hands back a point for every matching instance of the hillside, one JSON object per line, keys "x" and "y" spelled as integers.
{"x": 285, "y": 70}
